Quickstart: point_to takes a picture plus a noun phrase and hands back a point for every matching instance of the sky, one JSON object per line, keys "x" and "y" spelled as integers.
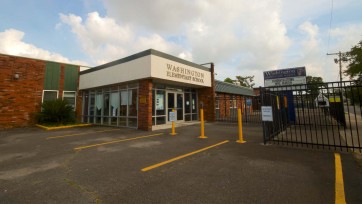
{"x": 241, "y": 37}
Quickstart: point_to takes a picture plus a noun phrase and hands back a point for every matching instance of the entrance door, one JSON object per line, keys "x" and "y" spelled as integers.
{"x": 175, "y": 101}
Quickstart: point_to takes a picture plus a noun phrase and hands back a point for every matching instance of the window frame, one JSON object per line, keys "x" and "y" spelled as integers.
{"x": 42, "y": 97}
{"x": 75, "y": 97}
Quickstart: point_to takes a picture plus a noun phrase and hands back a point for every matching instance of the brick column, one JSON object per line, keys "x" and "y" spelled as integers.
{"x": 207, "y": 97}
{"x": 145, "y": 105}
{"x": 79, "y": 101}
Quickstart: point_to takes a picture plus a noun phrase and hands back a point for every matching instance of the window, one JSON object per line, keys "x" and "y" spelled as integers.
{"x": 85, "y": 106}
{"x": 49, "y": 95}
{"x": 233, "y": 103}
{"x": 69, "y": 96}
{"x": 123, "y": 102}
{"x": 217, "y": 104}
{"x": 115, "y": 105}
{"x": 99, "y": 107}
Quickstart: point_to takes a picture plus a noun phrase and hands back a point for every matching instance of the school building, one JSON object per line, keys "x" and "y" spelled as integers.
{"x": 137, "y": 91}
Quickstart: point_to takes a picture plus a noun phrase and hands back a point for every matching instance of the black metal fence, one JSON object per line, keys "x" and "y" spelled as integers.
{"x": 322, "y": 116}
{"x": 227, "y": 106}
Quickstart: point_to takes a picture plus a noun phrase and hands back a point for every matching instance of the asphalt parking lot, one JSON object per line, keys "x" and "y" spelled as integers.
{"x": 115, "y": 165}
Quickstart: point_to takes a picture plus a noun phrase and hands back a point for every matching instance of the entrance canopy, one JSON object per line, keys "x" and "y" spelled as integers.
{"x": 147, "y": 64}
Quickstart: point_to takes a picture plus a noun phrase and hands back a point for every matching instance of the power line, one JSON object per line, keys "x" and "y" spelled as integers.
{"x": 330, "y": 26}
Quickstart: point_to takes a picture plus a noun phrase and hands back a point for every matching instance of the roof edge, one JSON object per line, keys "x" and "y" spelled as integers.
{"x": 44, "y": 60}
{"x": 143, "y": 54}
{"x": 237, "y": 86}
{"x": 245, "y": 89}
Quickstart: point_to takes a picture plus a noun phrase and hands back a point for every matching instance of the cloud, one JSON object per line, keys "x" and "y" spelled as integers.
{"x": 104, "y": 40}
{"x": 245, "y": 38}
{"x": 296, "y": 12}
{"x": 312, "y": 49}
{"x": 215, "y": 30}
{"x": 163, "y": 17}
{"x": 241, "y": 37}
{"x": 11, "y": 42}
{"x": 236, "y": 35}
{"x": 346, "y": 37}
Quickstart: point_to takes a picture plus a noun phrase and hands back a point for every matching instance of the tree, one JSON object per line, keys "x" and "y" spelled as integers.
{"x": 354, "y": 58}
{"x": 314, "y": 80}
{"x": 246, "y": 81}
{"x": 314, "y": 84}
{"x": 228, "y": 80}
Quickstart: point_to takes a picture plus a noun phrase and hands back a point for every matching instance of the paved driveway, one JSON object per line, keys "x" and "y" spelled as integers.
{"x": 113, "y": 165}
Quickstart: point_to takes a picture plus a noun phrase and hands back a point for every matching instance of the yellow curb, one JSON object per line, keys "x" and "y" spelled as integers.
{"x": 61, "y": 127}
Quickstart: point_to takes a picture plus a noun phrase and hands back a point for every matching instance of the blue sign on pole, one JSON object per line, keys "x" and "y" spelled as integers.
{"x": 248, "y": 102}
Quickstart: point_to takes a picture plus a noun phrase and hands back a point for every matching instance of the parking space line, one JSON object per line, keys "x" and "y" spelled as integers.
{"x": 339, "y": 188}
{"x": 77, "y": 134}
{"x": 115, "y": 141}
{"x": 182, "y": 156}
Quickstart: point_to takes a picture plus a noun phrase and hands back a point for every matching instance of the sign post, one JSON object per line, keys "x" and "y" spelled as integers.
{"x": 266, "y": 113}
{"x": 172, "y": 118}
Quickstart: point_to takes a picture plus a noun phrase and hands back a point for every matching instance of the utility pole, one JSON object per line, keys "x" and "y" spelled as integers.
{"x": 340, "y": 63}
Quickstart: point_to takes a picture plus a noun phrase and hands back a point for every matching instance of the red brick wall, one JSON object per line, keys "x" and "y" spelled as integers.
{"x": 225, "y": 103}
{"x": 145, "y": 105}
{"x": 20, "y": 98}
{"x": 206, "y": 96}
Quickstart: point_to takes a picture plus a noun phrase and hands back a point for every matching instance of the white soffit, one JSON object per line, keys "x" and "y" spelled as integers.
{"x": 123, "y": 72}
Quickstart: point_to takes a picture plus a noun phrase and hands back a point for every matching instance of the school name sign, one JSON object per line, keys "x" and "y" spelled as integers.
{"x": 177, "y": 71}
{"x": 184, "y": 73}
{"x": 285, "y": 77}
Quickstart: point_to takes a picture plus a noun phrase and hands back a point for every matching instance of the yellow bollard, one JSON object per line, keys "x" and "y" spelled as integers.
{"x": 173, "y": 126}
{"x": 240, "y": 126}
{"x": 202, "y": 136}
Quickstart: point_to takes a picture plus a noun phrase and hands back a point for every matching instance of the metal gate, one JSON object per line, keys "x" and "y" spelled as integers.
{"x": 322, "y": 116}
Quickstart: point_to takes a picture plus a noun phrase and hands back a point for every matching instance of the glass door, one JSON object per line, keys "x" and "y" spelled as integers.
{"x": 179, "y": 107}
{"x": 170, "y": 104}
{"x": 175, "y": 101}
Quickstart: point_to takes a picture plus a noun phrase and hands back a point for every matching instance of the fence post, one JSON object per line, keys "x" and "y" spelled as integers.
{"x": 246, "y": 111}
{"x": 265, "y": 128}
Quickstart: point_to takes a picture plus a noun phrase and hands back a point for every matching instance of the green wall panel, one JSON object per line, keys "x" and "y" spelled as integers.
{"x": 70, "y": 78}
{"x": 52, "y": 76}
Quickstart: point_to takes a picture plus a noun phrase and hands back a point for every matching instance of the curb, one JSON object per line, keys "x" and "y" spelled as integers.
{"x": 61, "y": 127}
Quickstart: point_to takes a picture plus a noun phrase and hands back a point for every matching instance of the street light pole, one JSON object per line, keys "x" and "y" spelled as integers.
{"x": 340, "y": 66}
{"x": 339, "y": 61}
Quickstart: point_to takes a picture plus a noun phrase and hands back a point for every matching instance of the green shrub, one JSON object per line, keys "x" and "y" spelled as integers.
{"x": 56, "y": 111}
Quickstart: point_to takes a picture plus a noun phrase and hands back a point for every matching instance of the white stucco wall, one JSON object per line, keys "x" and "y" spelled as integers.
{"x": 146, "y": 67}
{"x": 128, "y": 71}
